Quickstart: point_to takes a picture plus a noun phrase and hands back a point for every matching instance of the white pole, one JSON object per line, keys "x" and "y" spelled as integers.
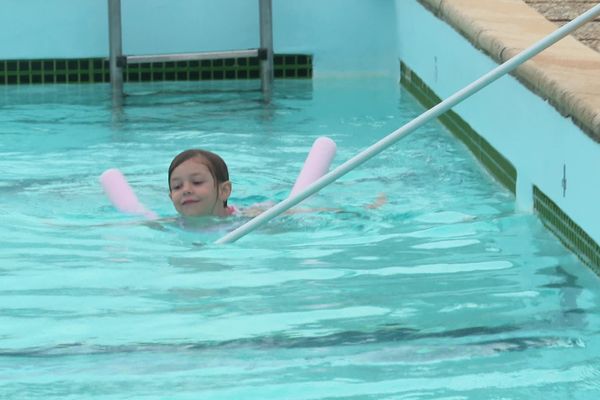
{"x": 393, "y": 137}
{"x": 266, "y": 43}
{"x": 115, "y": 49}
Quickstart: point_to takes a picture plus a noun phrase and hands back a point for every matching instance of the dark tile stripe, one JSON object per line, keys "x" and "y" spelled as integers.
{"x": 571, "y": 234}
{"x": 494, "y": 162}
{"x": 96, "y": 70}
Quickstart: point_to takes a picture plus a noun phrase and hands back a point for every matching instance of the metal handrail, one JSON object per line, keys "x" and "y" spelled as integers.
{"x": 206, "y": 55}
{"x": 117, "y": 60}
{"x": 115, "y": 49}
{"x": 428, "y": 115}
{"x": 266, "y": 42}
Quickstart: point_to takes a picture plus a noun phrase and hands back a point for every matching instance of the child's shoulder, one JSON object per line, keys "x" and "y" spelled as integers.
{"x": 250, "y": 211}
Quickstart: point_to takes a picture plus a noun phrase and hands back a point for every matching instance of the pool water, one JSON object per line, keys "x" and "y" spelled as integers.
{"x": 445, "y": 291}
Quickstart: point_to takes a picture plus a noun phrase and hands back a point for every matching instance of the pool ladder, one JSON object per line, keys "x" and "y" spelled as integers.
{"x": 117, "y": 60}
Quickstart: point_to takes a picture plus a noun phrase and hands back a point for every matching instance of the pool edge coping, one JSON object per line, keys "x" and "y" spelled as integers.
{"x": 562, "y": 74}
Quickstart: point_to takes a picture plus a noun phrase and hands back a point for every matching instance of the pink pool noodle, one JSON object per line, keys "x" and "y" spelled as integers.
{"x": 316, "y": 164}
{"x": 124, "y": 199}
{"x": 121, "y": 195}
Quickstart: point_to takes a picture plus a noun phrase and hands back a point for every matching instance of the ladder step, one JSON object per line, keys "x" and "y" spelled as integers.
{"x": 210, "y": 55}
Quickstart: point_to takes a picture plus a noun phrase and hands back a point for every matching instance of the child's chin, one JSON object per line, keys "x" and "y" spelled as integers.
{"x": 192, "y": 214}
{"x": 190, "y": 211}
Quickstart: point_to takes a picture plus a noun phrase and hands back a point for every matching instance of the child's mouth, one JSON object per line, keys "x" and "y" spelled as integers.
{"x": 189, "y": 201}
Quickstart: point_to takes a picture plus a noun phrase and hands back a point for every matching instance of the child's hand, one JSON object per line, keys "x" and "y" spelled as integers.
{"x": 379, "y": 201}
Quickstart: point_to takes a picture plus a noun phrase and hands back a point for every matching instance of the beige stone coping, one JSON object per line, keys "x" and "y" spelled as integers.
{"x": 567, "y": 74}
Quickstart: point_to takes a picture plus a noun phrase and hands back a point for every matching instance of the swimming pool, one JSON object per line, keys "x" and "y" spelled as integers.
{"x": 444, "y": 292}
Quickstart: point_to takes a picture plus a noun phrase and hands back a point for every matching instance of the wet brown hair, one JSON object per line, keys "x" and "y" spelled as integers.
{"x": 215, "y": 164}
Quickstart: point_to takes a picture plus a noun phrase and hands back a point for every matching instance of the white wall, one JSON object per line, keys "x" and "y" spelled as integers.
{"x": 348, "y": 37}
{"x": 53, "y": 28}
{"x": 345, "y": 36}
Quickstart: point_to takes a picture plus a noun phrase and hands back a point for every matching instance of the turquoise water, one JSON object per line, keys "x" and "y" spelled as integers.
{"x": 443, "y": 292}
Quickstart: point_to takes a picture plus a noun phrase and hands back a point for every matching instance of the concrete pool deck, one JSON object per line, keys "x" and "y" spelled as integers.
{"x": 562, "y": 11}
{"x": 567, "y": 74}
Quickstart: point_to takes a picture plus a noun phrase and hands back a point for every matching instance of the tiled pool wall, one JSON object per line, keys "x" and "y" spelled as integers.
{"x": 494, "y": 162}
{"x": 532, "y": 157}
{"x": 542, "y": 156}
{"x": 96, "y": 70}
{"x": 571, "y": 234}
{"x": 69, "y": 38}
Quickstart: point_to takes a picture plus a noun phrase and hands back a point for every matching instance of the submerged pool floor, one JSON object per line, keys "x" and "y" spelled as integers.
{"x": 445, "y": 291}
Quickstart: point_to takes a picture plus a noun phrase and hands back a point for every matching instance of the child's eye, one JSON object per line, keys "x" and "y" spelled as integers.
{"x": 176, "y": 187}
{"x": 198, "y": 182}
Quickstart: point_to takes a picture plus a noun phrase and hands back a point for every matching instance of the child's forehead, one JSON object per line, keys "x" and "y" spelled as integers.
{"x": 193, "y": 165}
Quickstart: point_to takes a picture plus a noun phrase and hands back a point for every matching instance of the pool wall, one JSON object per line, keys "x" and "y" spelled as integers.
{"x": 554, "y": 153}
{"x": 347, "y": 37}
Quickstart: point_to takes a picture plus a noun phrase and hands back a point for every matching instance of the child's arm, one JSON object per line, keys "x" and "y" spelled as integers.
{"x": 379, "y": 201}
{"x": 258, "y": 209}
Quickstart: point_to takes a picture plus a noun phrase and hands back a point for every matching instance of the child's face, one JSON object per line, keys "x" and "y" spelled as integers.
{"x": 194, "y": 191}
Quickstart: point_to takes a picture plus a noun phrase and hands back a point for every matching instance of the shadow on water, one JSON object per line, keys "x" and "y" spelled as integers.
{"x": 384, "y": 335}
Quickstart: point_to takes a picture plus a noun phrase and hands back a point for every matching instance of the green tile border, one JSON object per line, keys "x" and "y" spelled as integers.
{"x": 292, "y": 66}
{"x": 556, "y": 220}
{"x": 96, "y": 70}
{"x": 493, "y": 161}
{"x": 569, "y": 233}
{"x": 21, "y": 72}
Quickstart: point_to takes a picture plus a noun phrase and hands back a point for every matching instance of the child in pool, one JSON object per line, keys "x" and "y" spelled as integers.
{"x": 199, "y": 185}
